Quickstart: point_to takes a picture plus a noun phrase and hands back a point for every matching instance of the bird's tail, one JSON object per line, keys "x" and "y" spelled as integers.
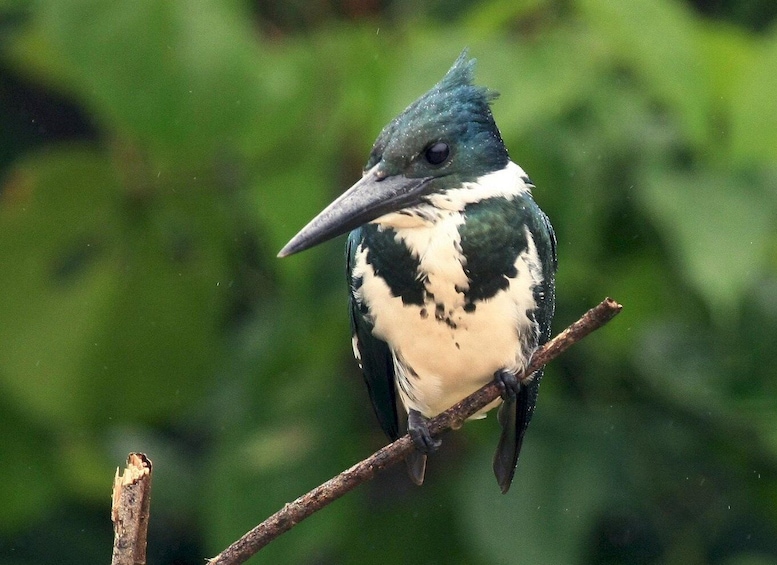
{"x": 416, "y": 466}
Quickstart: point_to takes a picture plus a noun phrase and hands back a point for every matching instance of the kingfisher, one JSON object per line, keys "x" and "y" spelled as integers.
{"x": 450, "y": 269}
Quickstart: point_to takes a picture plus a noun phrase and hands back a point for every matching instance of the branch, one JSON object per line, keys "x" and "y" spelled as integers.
{"x": 130, "y": 510}
{"x": 294, "y": 512}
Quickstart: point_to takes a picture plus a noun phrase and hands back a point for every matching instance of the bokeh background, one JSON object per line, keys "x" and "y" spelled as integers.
{"x": 155, "y": 155}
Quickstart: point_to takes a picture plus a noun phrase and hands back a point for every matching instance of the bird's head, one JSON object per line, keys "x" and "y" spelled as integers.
{"x": 445, "y": 138}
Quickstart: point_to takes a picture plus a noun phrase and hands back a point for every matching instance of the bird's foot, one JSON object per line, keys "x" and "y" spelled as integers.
{"x": 508, "y": 384}
{"x": 417, "y": 427}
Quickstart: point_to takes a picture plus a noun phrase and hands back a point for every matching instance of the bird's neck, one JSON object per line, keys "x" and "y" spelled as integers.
{"x": 509, "y": 182}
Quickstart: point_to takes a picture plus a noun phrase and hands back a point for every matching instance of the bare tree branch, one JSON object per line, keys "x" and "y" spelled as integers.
{"x": 130, "y": 511}
{"x": 294, "y": 512}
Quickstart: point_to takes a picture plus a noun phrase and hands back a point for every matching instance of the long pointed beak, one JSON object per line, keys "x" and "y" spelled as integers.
{"x": 373, "y": 196}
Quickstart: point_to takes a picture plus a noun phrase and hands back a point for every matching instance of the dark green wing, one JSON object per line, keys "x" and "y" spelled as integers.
{"x": 515, "y": 415}
{"x": 375, "y": 358}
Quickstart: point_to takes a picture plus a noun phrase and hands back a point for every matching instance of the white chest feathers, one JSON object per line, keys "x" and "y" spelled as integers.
{"x": 447, "y": 347}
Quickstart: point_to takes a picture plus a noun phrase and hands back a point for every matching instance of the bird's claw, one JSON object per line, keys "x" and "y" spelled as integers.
{"x": 508, "y": 384}
{"x": 419, "y": 432}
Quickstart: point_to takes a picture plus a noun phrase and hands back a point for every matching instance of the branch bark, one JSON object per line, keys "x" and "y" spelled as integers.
{"x": 294, "y": 512}
{"x": 130, "y": 511}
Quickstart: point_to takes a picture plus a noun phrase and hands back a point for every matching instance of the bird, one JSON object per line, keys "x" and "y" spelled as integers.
{"x": 451, "y": 269}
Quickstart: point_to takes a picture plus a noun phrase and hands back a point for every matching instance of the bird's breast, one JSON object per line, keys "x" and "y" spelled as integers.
{"x": 447, "y": 337}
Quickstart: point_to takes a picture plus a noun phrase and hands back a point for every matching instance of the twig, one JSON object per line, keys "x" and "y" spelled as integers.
{"x": 130, "y": 511}
{"x": 294, "y": 512}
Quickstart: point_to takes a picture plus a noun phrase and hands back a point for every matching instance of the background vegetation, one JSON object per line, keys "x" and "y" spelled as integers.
{"x": 155, "y": 155}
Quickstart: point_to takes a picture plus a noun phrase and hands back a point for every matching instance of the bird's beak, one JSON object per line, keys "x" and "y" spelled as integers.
{"x": 374, "y": 195}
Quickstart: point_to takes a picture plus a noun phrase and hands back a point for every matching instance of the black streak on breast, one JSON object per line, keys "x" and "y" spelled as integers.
{"x": 393, "y": 262}
{"x": 492, "y": 237}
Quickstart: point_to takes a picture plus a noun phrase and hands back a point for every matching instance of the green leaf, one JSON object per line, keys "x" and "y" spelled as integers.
{"x": 185, "y": 80}
{"x": 753, "y": 131}
{"x": 718, "y": 228}
{"x": 658, "y": 40}
{"x": 529, "y": 94}
{"x": 556, "y": 496}
{"x": 100, "y": 319}
{"x": 58, "y": 223}
{"x": 29, "y": 484}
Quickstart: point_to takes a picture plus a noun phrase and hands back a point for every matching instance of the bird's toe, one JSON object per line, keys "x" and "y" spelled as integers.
{"x": 417, "y": 427}
{"x": 508, "y": 383}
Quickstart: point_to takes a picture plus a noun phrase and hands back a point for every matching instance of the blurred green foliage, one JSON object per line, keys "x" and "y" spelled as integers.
{"x": 154, "y": 155}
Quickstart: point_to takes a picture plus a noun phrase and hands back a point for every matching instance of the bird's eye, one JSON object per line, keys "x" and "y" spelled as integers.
{"x": 437, "y": 153}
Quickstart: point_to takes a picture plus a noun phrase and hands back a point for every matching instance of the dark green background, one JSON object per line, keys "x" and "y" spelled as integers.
{"x": 155, "y": 155}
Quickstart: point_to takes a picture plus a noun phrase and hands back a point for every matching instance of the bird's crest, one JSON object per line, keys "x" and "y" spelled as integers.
{"x": 462, "y": 75}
